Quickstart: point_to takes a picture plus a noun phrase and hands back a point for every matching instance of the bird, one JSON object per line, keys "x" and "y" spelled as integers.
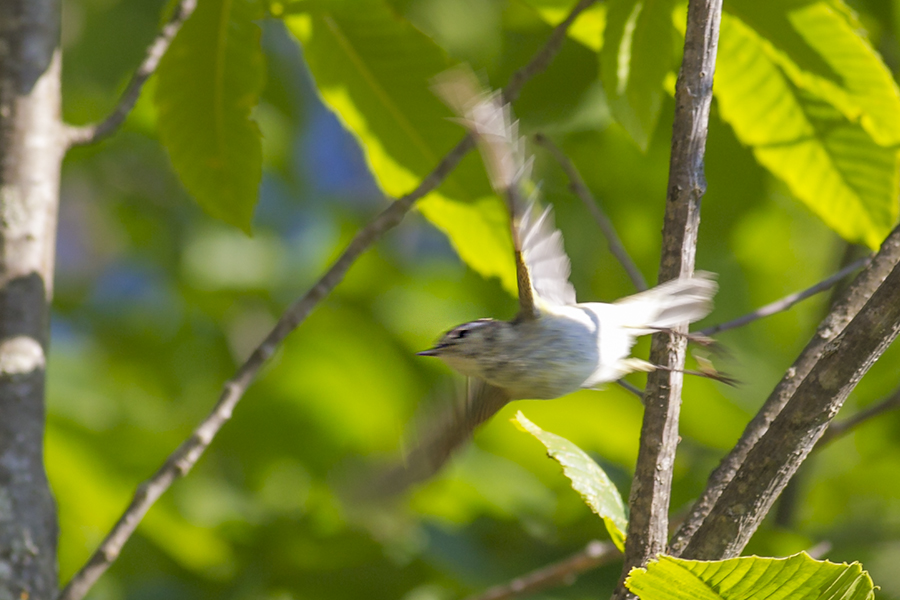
{"x": 554, "y": 345}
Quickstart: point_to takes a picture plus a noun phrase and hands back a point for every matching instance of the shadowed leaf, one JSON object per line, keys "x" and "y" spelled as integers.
{"x": 209, "y": 82}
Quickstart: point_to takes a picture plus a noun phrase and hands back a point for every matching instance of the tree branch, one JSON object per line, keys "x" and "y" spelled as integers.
{"x": 91, "y": 134}
{"x": 580, "y": 188}
{"x": 838, "y": 430}
{"x": 31, "y": 153}
{"x": 189, "y": 452}
{"x": 849, "y": 304}
{"x": 771, "y": 462}
{"x": 788, "y": 301}
{"x": 595, "y": 554}
{"x": 651, "y": 487}
{"x": 786, "y": 509}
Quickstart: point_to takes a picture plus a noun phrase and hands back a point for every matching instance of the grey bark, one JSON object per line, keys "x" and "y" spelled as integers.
{"x": 31, "y": 153}
{"x": 652, "y": 483}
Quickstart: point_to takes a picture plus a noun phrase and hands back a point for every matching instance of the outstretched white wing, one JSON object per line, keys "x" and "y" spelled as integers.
{"x": 545, "y": 258}
{"x": 541, "y": 262}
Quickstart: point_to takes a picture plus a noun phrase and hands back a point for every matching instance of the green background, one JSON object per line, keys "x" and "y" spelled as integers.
{"x": 156, "y": 303}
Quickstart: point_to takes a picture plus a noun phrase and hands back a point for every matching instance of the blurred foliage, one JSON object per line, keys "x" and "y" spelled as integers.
{"x": 156, "y": 303}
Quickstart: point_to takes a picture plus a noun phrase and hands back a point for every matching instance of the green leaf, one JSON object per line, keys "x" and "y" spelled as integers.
{"x": 797, "y": 577}
{"x": 374, "y": 70}
{"x": 636, "y": 57}
{"x": 829, "y": 163}
{"x": 209, "y": 81}
{"x": 821, "y": 49}
{"x": 587, "y": 478}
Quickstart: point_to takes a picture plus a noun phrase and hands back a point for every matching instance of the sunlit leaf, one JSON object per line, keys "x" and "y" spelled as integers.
{"x": 209, "y": 82}
{"x": 374, "y": 70}
{"x": 829, "y": 163}
{"x": 587, "y": 478}
{"x": 636, "y": 56}
{"x": 797, "y": 577}
{"x": 822, "y": 49}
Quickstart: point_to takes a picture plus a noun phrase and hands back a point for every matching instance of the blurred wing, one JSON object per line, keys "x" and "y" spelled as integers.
{"x": 542, "y": 267}
{"x": 545, "y": 258}
{"x": 488, "y": 118}
{"x": 442, "y": 437}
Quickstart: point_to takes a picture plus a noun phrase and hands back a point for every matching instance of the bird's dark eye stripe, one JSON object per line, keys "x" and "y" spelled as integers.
{"x": 461, "y": 333}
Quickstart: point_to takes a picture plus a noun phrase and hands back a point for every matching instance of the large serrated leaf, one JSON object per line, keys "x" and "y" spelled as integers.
{"x": 819, "y": 46}
{"x": 636, "y": 56}
{"x": 830, "y": 163}
{"x": 209, "y": 81}
{"x": 797, "y": 577}
{"x": 374, "y": 70}
{"x": 587, "y": 478}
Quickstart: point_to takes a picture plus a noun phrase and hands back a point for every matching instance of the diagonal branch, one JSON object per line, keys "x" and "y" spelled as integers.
{"x": 595, "y": 554}
{"x": 793, "y": 434}
{"x": 580, "y": 188}
{"x": 838, "y": 430}
{"x": 651, "y": 487}
{"x": 189, "y": 452}
{"x": 850, "y": 303}
{"x": 91, "y": 134}
{"x": 788, "y": 301}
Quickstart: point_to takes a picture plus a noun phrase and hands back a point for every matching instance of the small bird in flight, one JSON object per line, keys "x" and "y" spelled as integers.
{"x": 554, "y": 345}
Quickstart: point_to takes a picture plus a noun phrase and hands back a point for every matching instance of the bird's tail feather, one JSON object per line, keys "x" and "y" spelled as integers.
{"x": 670, "y": 304}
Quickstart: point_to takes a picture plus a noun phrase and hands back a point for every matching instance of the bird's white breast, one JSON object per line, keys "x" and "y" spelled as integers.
{"x": 547, "y": 357}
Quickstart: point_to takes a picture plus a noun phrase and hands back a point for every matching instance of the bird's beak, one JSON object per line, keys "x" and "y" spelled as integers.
{"x": 436, "y": 351}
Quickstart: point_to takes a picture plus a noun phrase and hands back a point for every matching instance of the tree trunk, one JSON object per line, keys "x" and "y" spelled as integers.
{"x": 31, "y": 152}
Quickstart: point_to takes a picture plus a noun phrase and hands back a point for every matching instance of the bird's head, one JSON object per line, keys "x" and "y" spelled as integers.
{"x": 465, "y": 346}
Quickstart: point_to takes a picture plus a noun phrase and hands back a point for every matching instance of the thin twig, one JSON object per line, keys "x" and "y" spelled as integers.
{"x": 91, "y": 134}
{"x": 595, "y": 554}
{"x": 838, "y": 430}
{"x": 788, "y": 301}
{"x": 851, "y": 301}
{"x": 580, "y": 188}
{"x": 652, "y": 483}
{"x": 189, "y": 452}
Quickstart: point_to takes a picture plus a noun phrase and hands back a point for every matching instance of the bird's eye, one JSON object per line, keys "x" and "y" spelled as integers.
{"x": 460, "y": 334}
